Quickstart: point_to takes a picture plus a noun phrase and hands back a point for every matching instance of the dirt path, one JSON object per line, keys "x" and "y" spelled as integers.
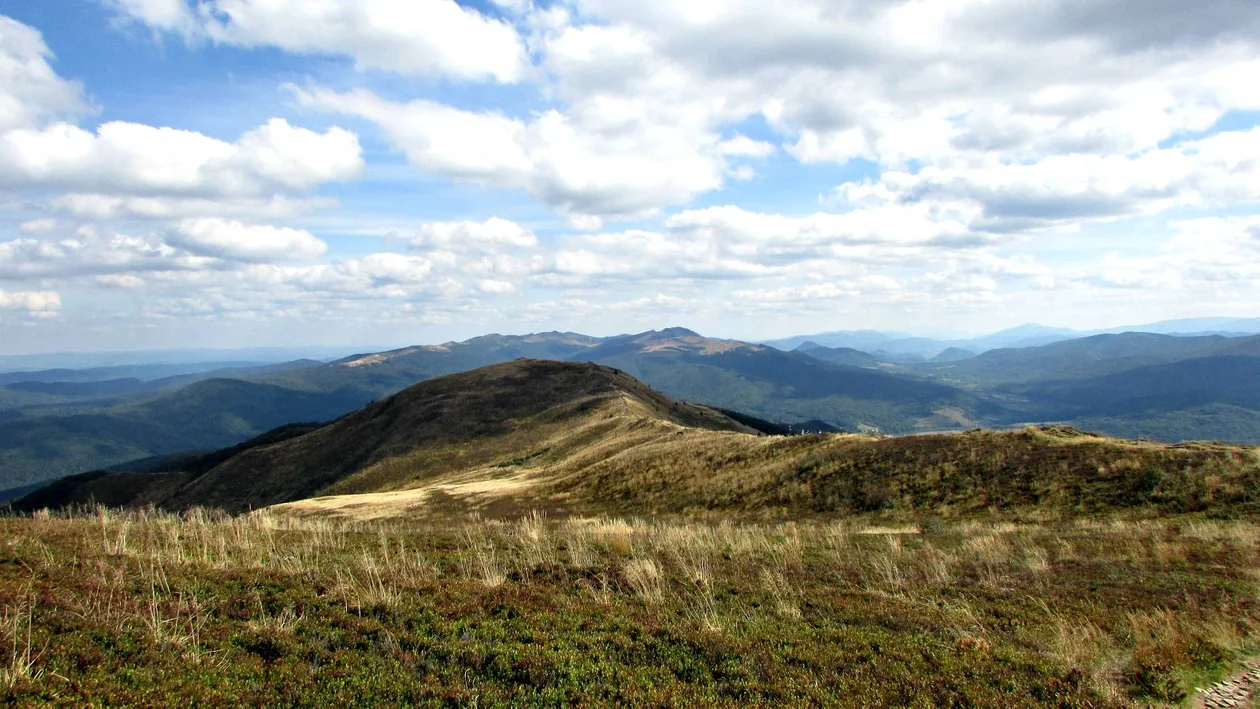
{"x": 1237, "y": 691}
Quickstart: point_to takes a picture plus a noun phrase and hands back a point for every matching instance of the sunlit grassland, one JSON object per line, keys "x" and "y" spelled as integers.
{"x": 154, "y": 608}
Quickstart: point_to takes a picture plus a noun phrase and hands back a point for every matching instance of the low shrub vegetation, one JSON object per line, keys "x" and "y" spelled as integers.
{"x": 143, "y": 607}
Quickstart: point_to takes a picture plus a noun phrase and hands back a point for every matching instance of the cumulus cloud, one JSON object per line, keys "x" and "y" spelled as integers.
{"x": 38, "y": 226}
{"x": 984, "y": 135}
{"x": 209, "y": 245}
{"x": 235, "y": 241}
{"x": 728, "y": 242}
{"x": 30, "y": 91}
{"x": 906, "y": 82}
{"x": 412, "y": 37}
{"x": 1007, "y": 197}
{"x": 91, "y": 253}
{"x": 130, "y": 158}
{"x": 645, "y": 89}
{"x": 576, "y": 170}
{"x": 34, "y": 303}
{"x": 491, "y": 234}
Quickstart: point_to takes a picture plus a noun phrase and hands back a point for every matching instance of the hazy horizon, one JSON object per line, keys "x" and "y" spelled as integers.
{"x": 332, "y": 350}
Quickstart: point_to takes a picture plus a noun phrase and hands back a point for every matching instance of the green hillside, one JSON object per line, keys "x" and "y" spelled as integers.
{"x": 1133, "y": 384}
{"x": 206, "y": 415}
{"x": 1086, "y": 357}
{"x": 578, "y": 438}
{"x": 787, "y": 386}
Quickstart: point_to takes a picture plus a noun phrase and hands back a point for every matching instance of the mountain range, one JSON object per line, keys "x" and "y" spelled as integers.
{"x": 1145, "y": 385}
{"x": 911, "y": 348}
{"x": 582, "y": 438}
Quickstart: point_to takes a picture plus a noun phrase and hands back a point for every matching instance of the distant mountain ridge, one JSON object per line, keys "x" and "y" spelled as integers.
{"x": 1030, "y": 335}
{"x": 581, "y": 438}
{"x": 823, "y": 388}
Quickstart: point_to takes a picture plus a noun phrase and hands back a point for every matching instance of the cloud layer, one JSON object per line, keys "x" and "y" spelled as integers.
{"x": 756, "y": 166}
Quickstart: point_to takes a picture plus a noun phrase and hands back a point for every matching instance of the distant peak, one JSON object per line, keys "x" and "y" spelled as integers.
{"x": 678, "y": 332}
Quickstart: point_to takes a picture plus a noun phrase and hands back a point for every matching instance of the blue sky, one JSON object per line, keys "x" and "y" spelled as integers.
{"x": 237, "y": 172}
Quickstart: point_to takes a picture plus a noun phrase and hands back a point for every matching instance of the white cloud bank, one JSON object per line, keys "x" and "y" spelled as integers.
{"x": 411, "y": 37}
{"x": 981, "y": 132}
{"x": 130, "y": 158}
{"x": 235, "y": 241}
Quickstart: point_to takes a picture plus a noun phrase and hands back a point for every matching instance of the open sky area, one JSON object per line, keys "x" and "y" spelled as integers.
{"x": 229, "y": 173}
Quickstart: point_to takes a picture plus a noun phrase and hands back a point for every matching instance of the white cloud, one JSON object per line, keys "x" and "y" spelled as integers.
{"x": 30, "y": 91}
{"x": 100, "y": 207}
{"x": 883, "y": 225}
{"x": 362, "y": 275}
{"x": 235, "y": 241}
{"x": 1015, "y": 148}
{"x": 411, "y": 37}
{"x": 163, "y": 15}
{"x": 912, "y": 82}
{"x": 35, "y": 303}
{"x": 492, "y": 234}
{"x": 92, "y": 253}
{"x": 730, "y": 243}
{"x": 37, "y": 226}
{"x": 743, "y": 146}
{"x": 130, "y": 158}
{"x": 576, "y": 170}
{"x": 494, "y": 287}
{"x": 1065, "y": 190}
{"x": 115, "y": 280}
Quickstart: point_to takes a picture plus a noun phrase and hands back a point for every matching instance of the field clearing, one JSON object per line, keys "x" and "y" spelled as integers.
{"x": 155, "y": 608}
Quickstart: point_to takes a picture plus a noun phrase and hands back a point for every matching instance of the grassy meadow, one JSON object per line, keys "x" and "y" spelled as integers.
{"x": 143, "y": 607}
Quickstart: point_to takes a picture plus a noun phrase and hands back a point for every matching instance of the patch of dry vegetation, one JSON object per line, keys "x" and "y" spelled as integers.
{"x": 266, "y": 608}
{"x": 617, "y": 459}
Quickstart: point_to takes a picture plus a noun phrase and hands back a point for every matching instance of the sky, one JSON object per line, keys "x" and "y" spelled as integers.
{"x": 233, "y": 173}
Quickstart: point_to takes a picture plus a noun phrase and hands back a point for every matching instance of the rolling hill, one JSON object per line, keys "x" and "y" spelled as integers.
{"x": 1103, "y": 383}
{"x": 1086, "y": 357}
{"x": 846, "y": 356}
{"x": 584, "y": 439}
{"x": 1231, "y": 380}
{"x": 472, "y": 419}
{"x": 787, "y": 386}
{"x": 380, "y": 374}
{"x": 206, "y": 415}
{"x": 64, "y": 391}
{"x": 1022, "y": 336}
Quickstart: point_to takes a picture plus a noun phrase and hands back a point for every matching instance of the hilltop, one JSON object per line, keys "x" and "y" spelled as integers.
{"x": 448, "y": 423}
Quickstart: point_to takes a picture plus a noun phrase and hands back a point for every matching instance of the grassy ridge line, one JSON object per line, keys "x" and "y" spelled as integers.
{"x": 141, "y": 607}
{"x": 614, "y": 462}
{"x": 463, "y": 411}
{"x": 1054, "y": 469}
{"x": 583, "y": 438}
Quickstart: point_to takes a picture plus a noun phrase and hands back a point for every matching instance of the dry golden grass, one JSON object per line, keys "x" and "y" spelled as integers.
{"x": 989, "y": 587}
{"x": 16, "y": 623}
{"x": 620, "y": 455}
